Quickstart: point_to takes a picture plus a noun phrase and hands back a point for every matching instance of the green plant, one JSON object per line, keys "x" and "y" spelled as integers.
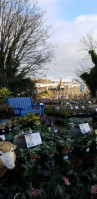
{"x": 6, "y": 111}
{"x": 2, "y": 126}
{"x": 48, "y": 148}
{"x": 63, "y": 140}
{"x": 77, "y": 120}
{"x": 4, "y": 92}
{"x": 29, "y": 119}
{"x": 84, "y": 141}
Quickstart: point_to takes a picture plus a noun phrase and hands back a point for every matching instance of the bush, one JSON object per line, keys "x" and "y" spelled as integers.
{"x": 6, "y": 111}
{"x": 4, "y": 92}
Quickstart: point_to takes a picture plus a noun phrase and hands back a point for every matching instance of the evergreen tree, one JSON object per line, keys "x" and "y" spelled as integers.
{"x": 91, "y": 78}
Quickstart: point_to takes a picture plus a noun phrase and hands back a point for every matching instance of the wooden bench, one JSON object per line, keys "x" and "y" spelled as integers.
{"x": 24, "y": 105}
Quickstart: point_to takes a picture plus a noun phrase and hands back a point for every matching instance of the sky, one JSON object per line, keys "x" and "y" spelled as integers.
{"x": 70, "y": 21}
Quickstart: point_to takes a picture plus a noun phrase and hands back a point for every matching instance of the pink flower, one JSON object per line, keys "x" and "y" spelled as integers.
{"x": 33, "y": 158}
{"x": 66, "y": 149}
{"x": 94, "y": 189}
{"x": 36, "y": 192}
{"x": 67, "y": 182}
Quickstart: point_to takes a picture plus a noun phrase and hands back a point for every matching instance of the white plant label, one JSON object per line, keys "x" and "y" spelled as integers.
{"x": 3, "y": 137}
{"x": 33, "y": 139}
{"x": 3, "y": 130}
{"x": 87, "y": 150}
{"x": 65, "y": 157}
{"x": 85, "y": 128}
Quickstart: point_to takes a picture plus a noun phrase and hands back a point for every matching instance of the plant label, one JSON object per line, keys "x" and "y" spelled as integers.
{"x": 33, "y": 139}
{"x": 83, "y": 107}
{"x": 65, "y": 157}
{"x": 76, "y": 107}
{"x": 87, "y": 150}
{"x": 71, "y": 107}
{"x": 57, "y": 108}
{"x": 3, "y": 131}
{"x": 3, "y": 137}
{"x": 85, "y": 128}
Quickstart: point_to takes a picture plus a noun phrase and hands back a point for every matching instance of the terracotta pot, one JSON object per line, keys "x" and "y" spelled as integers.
{"x": 19, "y": 141}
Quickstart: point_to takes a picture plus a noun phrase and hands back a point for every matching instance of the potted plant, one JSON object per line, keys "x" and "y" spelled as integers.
{"x": 47, "y": 153}
{"x": 82, "y": 144}
{"x": 2, "y": 127}
{"x": 9, "y": 125}
{"x": 15, "y": 123}
{"x": 64, "y": 144}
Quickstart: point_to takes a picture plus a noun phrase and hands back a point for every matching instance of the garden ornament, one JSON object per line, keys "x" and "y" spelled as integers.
{"x": 7, "y": 157}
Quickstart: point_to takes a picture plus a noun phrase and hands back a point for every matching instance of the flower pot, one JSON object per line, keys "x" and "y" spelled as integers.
{"x": 19, "y": 141}
{"x": 75, "y": 131}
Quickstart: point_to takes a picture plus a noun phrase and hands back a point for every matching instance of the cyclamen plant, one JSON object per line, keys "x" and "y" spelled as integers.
{"x": 94, "y": 189}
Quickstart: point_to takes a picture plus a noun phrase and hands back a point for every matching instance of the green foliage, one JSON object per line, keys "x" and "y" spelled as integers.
{"x": 37, "y": 169}
{"x": 6, "y": 111}
{"x": 77, "y": 120}
{"x": 4, "y": 92}
{"x": 83, "y": 141}
{"x": 20, "y": 85}
{"x": 91, "y": 78}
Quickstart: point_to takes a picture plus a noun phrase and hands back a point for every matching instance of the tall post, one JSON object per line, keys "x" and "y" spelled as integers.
{"x": 0, "y": 25}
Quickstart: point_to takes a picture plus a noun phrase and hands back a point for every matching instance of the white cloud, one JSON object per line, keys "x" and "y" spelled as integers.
{"x": 67, "y": 37}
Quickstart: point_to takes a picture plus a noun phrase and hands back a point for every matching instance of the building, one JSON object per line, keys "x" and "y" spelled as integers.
{"x": 62, "y": 90}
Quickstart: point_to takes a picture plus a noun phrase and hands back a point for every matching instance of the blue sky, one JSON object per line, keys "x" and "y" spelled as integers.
{"x": 71, "y": 20}
{"x": 73, "y": 8}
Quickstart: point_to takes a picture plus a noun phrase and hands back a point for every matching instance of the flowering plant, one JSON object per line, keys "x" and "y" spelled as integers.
{"x": 94, "y": 189}
{"x": 66, "y": 180}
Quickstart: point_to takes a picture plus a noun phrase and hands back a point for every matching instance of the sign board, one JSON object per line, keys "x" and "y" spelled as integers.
{"x": 85, "y": 128}
{"x": 33, "y": 139}
{"x": 82, "y": 88}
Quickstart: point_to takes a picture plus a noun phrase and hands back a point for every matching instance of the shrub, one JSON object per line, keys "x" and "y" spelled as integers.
{"x": 4, "y": 92}
{"x": 6, "y": 111}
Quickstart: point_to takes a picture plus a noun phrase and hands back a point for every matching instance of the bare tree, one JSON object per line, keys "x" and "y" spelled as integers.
{"x": 24, "y": 39}
{"x": 86, "y": 44}
{"x": 89, "y": 74}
